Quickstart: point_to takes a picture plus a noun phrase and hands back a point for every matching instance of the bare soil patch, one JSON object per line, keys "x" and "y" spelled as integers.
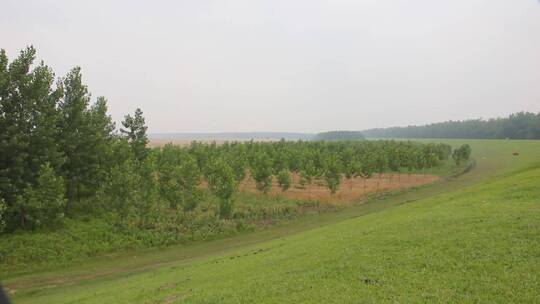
{"x": 349, "y": 190}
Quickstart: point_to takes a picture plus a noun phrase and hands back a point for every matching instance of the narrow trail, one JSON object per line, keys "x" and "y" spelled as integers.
{"x": 113, "y": 266}
{"x": 492, "y": 159}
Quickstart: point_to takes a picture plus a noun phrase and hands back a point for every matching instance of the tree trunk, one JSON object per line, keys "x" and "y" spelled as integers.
{"x": 69, "y": 197}
{"x": 22, "y": 218}
{"x": 79, "y": 193}
{"x": 365, "y": 180}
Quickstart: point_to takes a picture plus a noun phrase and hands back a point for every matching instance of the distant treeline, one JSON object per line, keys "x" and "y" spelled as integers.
{"x": 339, "y": 135}
{"x": 232, "y": 136}
{"x": 62, "y": 156}
{"x": 522, "y": 125}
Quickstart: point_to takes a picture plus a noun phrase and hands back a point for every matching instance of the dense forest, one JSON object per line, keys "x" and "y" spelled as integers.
{"x": 522, "y": 125}
{"x": 62, "y": 156}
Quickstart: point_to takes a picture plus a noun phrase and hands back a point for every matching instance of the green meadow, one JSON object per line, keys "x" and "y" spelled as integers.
{"x": 474, "y": 238}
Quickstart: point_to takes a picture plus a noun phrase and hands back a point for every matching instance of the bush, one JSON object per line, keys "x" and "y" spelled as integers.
{"x": 43, "y": 204}
{"x": 261, "y": 171}
{"x": 284, "y": 180}
{"x": 123, "y": 189}
{"x": 462, "y": 153}
{"x": 332, "y": 172}
{"x": 222, "y": 183}
{"x": 179, "y": 180}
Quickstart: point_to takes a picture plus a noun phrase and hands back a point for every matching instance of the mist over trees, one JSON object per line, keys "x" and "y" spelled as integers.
{"x": 61, "y": 156}
{"x": 339, "y": 135}
{"x": 521, "y": 125}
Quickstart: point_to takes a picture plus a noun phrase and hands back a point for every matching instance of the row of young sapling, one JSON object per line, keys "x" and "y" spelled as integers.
{"x": 179, "y": 171}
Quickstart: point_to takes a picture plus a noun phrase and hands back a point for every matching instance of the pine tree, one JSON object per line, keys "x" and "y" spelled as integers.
{"x": 101, "y": 137}
{"x": 29, "y": 120}
{"x": 15, "y": 112}
{"x": 135, "y": 131}
{"x": 76, "y": 135}
{"x": 44, "y": 134}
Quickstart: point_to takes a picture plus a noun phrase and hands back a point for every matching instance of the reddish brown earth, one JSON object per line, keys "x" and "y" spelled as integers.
{"x": 349, "y": 190}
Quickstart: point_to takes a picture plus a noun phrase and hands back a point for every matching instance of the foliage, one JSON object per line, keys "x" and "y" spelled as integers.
{"x": 284, "y": 180}
{"x": 179, "y": 178}
{"x": 461, "y": 154}
{"x": 454, "y": 234}
{"x": 135, "y": 131}
{"x": 29, "y": 131}
{"x": 521, "y": 125}
{"x": 261, "y": 171}
{"x": 339, "y": 135}
{"x": 124, "y": 188}
{"x": 237, "y": 159}
{"x": 42, "y": 204}
{"x": 58, "y": 131}
{"x": 222, "y": 183}
{"x": 3, "y": 208}
{"x": 85, "y": 137}
{"x": 332, "y": 172}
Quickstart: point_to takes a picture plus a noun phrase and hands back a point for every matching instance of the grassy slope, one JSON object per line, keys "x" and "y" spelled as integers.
{"x": 90, "y": 236}
{"x": 479, "y": 243}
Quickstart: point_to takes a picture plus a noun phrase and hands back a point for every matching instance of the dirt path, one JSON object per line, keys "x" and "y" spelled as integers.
{"x": 493, "y": 159}
{"x": 118, "y": 265}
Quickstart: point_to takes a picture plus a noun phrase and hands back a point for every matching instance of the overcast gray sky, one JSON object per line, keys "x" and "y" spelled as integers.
{"x": 284, "y": 65}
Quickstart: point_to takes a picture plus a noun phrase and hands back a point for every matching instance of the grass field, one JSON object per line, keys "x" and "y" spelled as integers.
{"x": 473, "y": 239}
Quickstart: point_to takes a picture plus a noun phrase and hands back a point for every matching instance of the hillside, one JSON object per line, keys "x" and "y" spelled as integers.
{"x": 472, "y": 239}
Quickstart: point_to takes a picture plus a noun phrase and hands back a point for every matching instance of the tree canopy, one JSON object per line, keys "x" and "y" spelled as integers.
{"x": 339, "y": 135}
{"x": 521, "y": 125}
{"x": 61, "y": 154}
